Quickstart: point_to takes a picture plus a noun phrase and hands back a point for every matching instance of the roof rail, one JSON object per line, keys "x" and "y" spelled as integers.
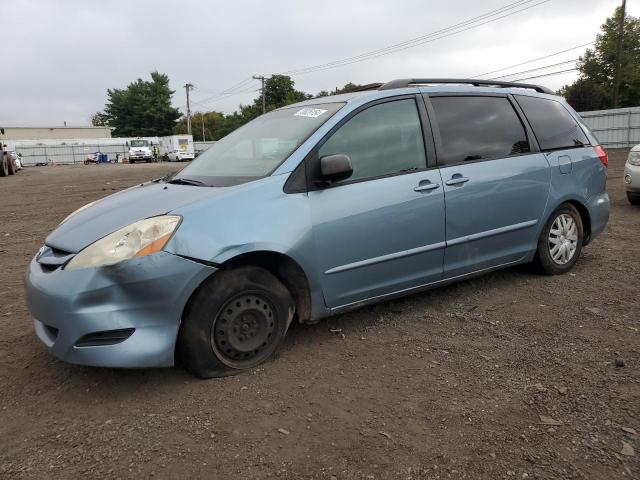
{"x": 368, "y": 86}
{"x": 407, "y": 82}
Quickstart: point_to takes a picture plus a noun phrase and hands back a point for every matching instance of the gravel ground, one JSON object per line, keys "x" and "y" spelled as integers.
{"x": 510, "y": 375}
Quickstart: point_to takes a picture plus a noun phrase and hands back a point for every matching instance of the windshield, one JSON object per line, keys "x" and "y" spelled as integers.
{"x": 259, "y": 147}
{"x": 139, "y": 143}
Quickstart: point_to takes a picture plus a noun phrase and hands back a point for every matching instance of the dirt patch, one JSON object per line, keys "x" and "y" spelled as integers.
{"x": 510, "y": 375}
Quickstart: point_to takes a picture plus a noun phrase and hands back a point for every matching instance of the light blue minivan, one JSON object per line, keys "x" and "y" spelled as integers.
{"x": 314, "y": 209}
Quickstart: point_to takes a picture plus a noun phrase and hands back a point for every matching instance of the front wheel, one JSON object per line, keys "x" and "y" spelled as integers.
{"x": 234, "y": 321}
{"x": 560, "y": 242}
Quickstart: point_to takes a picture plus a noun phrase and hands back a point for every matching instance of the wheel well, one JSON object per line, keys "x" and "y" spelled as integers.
{"x": 287, "y": 270}
{"x": 586, "y": 220}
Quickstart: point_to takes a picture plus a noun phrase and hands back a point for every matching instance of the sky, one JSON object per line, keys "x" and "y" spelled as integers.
{"x": 60, "y": 57}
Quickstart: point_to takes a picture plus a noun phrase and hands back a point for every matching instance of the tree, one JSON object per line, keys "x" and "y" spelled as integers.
{"x": 214, "y": 126}
{"x": 99, "y": 119}
{"x": 594, "y": 88}
{"x": 142, "y": 109}
{"x": 280, "y": 91}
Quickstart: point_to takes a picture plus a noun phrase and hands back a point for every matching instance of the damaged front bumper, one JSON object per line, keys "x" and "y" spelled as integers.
{"x": 125, "y": 315}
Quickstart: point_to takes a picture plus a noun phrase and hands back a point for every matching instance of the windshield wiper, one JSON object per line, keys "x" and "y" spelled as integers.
{"x": 187, "y": 181}
{"x": 163, "y": 179}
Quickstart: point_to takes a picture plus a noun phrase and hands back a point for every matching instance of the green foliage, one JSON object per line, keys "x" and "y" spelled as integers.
{"x": 99, "y": 119}
{"x": 594, "y": 89}
{"x": 142, "y": 109}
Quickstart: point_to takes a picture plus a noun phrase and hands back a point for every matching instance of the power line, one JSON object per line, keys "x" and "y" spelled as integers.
{"x": 428, "y": 38}
{"x": 535, "y": 69}
{"x": 546, "y": 75}
{"x": 507, "y": 10}
{"x": 531, "y": 61}
{"x": 231, "y": 90}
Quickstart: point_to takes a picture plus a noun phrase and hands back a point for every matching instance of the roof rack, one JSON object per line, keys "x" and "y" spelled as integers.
{"x": 407, "y": 82}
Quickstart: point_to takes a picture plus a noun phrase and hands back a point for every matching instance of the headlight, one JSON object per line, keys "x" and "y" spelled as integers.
{"x": 136, "y": 240}
{"x": 634, "y": 158}
{"x": 76, "y": 211}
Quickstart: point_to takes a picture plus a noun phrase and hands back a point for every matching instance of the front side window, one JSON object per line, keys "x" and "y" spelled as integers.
{"x": 384, "y": 139}
{"x": 259, "y": 147}
{"x": 478, "y": 128}
{"x": 552, "y": 124}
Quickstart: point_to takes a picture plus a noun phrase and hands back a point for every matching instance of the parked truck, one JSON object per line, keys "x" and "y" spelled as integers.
{"x": 139, "y": 150}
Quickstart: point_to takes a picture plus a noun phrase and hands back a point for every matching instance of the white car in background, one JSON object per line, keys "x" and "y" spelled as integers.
{"x": 632, "y": 176}
{"x": 17, "y": 159}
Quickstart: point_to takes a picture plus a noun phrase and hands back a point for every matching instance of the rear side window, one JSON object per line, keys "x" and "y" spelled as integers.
{"x": 552, "y": 124}
{"x": 478, "y": 128}
{"x": 384, "y": 139}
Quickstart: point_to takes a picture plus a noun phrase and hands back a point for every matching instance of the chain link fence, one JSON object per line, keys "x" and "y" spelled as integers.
{"x": 67, "y": 154}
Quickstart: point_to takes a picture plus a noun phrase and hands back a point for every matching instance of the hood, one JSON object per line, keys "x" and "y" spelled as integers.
{"x": 123, "y": 208}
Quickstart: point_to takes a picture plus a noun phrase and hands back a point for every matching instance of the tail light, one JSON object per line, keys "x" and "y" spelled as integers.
{"x": 602, "y": 155}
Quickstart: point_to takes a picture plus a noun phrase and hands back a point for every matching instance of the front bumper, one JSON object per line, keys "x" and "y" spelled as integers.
{"x": 631, "y": 178}
{"x": 146, "y": 294}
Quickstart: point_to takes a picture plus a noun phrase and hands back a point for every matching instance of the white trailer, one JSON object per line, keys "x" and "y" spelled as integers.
{"x": 177, "y": 148}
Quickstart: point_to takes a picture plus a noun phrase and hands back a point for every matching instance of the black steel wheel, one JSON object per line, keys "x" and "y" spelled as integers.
{"x": 234, "y": 321}
{"x": 243, "y": 332}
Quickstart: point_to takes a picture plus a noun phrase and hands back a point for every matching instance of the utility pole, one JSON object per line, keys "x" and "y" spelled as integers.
{"x": 202, "y": 120}
{"x": 261, "y": 78}
{"x": 188, "y": 87}
{"x": 616, "y": 79}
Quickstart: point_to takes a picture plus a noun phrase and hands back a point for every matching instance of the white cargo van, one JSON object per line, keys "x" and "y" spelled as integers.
{"x": 177, "y": 148}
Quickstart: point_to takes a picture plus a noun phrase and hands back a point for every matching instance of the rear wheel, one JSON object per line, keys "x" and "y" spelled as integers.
{"x": 4, "y": 166}
{"x": 634, "y": 198}
{"x": 234, "y": 321}
{"x": 560, "y": 242}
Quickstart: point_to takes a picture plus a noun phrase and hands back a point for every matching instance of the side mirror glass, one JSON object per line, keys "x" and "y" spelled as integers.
{"x": 334, "y": 168}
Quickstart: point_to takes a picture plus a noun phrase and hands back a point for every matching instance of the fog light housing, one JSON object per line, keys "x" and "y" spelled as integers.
{"x": 627, "y": 179}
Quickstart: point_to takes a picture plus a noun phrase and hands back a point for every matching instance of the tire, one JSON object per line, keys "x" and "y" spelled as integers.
{"x": 634, "y": 199}
{"x": 565, "y": 231}
{"x": 4, "y": 166}
{"x": 236, "y": 320}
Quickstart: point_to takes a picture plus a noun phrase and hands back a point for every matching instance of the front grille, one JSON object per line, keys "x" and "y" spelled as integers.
{"x": 109, "y": 337}
{"x": 51, "y": 258}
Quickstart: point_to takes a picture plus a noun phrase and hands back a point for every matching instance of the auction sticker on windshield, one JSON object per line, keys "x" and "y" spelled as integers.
{"x": 309, "y": 112}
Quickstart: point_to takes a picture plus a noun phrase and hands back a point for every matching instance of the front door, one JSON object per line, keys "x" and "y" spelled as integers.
{"x": 382, "y": 230}
{"x": 495, "y": 187}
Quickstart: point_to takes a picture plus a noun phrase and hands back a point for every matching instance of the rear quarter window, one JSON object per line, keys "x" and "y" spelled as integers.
{"x": 553, "y": 125}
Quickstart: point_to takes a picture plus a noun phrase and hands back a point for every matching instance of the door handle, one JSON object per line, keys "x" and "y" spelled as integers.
{"x": 426, "y": 187}
{"x": 457, "y": 180}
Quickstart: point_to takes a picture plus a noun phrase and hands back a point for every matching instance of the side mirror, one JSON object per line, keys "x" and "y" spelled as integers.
{"x": 2, "y": 131}
{"x": 334, "y": 168}
{"x": 126, "y": 143}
